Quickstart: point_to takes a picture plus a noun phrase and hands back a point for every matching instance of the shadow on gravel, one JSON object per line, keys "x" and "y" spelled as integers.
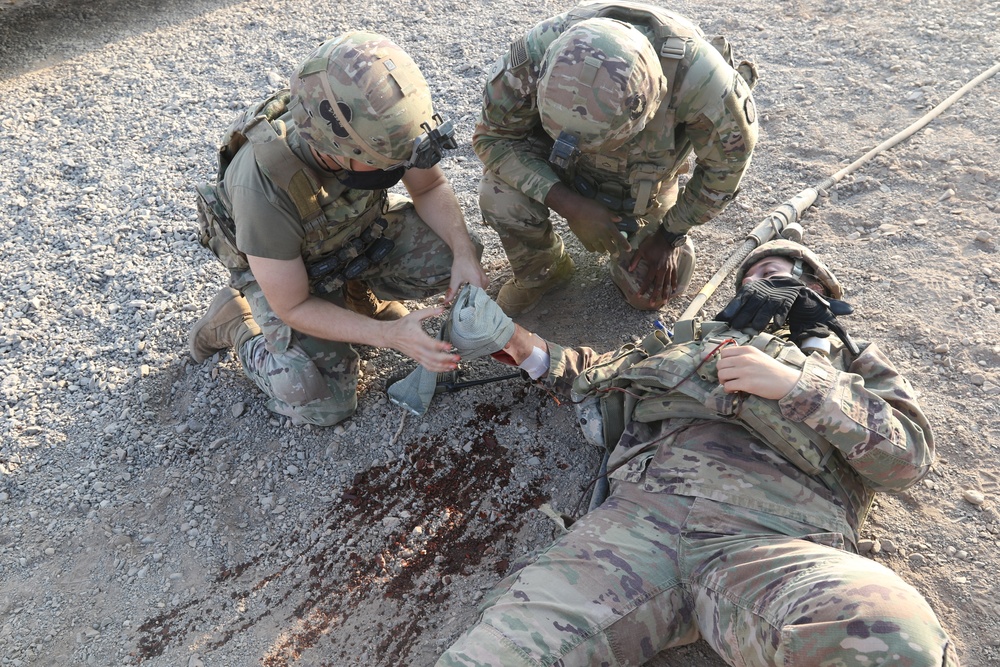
{"x": 35, "y": 34}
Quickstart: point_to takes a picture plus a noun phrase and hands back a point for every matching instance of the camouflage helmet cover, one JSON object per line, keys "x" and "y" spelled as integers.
{"x": 793, "y": 251}
{"x": 360, "y": 96}
{"x": 601, "y": 81}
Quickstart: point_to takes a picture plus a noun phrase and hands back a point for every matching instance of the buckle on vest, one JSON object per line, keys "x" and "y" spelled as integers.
{"x": 673, "y": 47}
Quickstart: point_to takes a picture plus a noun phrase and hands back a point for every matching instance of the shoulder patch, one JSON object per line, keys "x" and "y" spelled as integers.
{"x": 750, "y": 110}
{"x": 518, "y": 52}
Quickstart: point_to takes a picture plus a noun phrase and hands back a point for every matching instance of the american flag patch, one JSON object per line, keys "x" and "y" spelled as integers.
{"x": 518, "y": 53}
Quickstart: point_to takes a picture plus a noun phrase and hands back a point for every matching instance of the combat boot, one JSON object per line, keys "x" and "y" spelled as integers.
{"x": 228, "y": 323}
{"x": 363, "y": 301}
{"x": 517, "y": 298}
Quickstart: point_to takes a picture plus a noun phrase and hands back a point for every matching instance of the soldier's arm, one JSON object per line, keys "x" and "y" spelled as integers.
{"x": 869, "y": 413}
{"x": 509, "y": 123}
{"x": 717, "y": 110}
{"x": 564, "y": 363}
{"x": 436, "y": 204}
{"x": 286, "y": 287}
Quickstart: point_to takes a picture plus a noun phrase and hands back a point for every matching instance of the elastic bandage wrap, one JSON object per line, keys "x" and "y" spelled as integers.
{"x": 537, "y": 363}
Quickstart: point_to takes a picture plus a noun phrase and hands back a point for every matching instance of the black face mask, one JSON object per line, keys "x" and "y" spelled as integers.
{"x": 379, "y": 179}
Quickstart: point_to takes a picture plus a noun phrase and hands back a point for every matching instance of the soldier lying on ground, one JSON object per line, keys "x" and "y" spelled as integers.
{"x": 302, "y": 218}
{"x": 593, "y": 114}
{"x": 738, "y": 487}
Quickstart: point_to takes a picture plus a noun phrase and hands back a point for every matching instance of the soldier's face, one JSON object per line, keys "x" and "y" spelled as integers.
{"x": 769, "y": 267}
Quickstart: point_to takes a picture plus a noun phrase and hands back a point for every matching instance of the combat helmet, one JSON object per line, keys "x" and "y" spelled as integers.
{"x": 805, "y": 261}
{"x": 360, "y": 96}
{"x": 600, "y": 81}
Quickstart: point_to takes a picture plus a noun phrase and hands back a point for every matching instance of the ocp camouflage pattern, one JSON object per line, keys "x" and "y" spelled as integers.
{"x": 708, "y": 533}
{"x": 710, "y": 113}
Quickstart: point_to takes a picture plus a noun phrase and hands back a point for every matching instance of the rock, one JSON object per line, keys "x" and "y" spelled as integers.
{"x": 865, "y": 546}
{"x": 888, "y": 546}
{"x": 974, "y": 497}
{"x": 238, "y": 408}
{"x": 917, "y": 560}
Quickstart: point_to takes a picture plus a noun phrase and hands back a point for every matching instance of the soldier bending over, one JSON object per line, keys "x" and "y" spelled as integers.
{"x": 593, "y": 114}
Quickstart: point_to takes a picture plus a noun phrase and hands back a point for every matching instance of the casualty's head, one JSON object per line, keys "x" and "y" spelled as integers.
{"x": 788, "y": 258}
{"x": 360, "y": 97}
{"x": 600, "y": 81}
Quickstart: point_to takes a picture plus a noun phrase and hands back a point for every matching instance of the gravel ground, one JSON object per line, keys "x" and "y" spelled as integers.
{"x": 152, "y": 511}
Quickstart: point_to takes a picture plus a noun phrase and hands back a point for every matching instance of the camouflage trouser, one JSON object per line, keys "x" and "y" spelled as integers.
{"x": 313, "y": 380}
{"x": 525, "y": 230}
{"x": 644, "y": 572}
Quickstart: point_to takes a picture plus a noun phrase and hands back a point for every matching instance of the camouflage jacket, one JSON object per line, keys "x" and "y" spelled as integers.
{"x": 864, "y": 408}
{"x": 709, "y": 110}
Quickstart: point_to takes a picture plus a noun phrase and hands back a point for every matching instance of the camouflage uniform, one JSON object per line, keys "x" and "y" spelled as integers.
{"x": 707, "y": 110}
{"x": 362, "y": 99}
{"x": 306, "y": 378}
{"x": 709, "y": 533}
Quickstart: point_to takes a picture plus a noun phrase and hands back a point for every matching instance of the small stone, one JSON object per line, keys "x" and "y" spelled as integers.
{"x": 974, "y": 496}
{"x": 984, "y": 237}
{"x": 865, "y": 546}
{"x": 917, "y": 560}
{"x": 977, "y": 379}
{"x": 534, "y": 461}
{"x": 888, "y": 546}
{"x": 238, "y": 408}
{"x": 942, "y": 348}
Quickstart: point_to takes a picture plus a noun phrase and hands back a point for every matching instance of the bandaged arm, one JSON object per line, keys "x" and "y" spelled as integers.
{"x": 527, "y": 351}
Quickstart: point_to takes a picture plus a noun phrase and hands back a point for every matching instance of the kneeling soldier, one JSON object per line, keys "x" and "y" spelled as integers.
{"x": 314, "y": 243}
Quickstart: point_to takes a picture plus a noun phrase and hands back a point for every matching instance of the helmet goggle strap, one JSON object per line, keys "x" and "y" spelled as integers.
{"x": 797, "y": 268}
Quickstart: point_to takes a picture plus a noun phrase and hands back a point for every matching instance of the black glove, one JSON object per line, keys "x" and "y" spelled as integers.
{"x": 759, "y": 302}
{"x": 815, "y": 316}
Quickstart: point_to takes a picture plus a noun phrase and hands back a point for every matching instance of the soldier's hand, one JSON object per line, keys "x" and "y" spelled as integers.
{"x": 663, "y": 261}
{"x": 407, "y": 335}
{"x": 745, "y": 368}
{"x": 814, "y": 316}
{"x": 591, "y": 221}
{"x": 597, "y": 228}
{"x": 465, "y": 270}
{"x": 760, "y": 302}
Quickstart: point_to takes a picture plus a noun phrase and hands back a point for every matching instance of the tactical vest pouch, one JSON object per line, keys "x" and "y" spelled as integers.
{"x": 216, "y": 230}
{"x": 330, "y": 272}
{"x": 671, "y": 387}
{"x": 599, "y": 396}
